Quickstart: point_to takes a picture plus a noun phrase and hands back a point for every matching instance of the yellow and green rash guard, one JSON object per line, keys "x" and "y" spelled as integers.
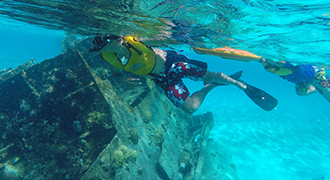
{"x": 141, "y": 61}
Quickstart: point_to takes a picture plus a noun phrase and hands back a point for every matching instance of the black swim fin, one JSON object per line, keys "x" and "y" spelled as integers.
{"x": 260, "y": 97}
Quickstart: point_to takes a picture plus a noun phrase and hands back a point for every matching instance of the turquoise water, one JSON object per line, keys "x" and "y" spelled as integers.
{"x": 289, "y": 143}
{"x": 21, "y": 42}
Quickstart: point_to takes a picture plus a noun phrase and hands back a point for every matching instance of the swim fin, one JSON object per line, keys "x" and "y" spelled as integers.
{"x": 260, "y": 97}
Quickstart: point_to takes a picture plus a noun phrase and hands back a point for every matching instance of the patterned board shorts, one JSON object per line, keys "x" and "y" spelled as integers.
{"x": 177, "y": 67}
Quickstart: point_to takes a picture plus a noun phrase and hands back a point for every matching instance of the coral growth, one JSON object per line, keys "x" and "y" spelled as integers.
{"x": 98, "y": 118}
{"x": 123, "y": 155}
{"x": 119, "y": 158}
{"x": 148, "y": 116}
{"x": 12, "y": 171}
{"x": 184, "y": 157}
{"x": 159, "y": 139}
{"x": 134, "y": 135}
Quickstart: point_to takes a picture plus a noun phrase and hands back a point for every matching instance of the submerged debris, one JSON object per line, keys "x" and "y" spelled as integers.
{"x": 65, "y": 119}
{"x": 8, "y": 73}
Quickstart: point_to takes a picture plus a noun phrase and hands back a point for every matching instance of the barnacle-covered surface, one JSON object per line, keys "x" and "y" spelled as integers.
{"x": 46, "y": 116}
{"x": 69, "y": 118}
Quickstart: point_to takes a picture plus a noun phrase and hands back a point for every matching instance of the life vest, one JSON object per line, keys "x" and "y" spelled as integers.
{"x": 141, "y": 61}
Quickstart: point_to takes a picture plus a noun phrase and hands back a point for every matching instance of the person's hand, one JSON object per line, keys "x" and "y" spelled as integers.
{"x": 130, "y": 82}
{"x": 325, "y": 83}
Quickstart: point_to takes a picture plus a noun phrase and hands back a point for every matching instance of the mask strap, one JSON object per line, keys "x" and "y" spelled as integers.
{"x": 116, "y": 55}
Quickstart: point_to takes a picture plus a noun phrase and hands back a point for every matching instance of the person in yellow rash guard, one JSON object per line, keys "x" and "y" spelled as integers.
{"x": 167, "y": 67}
{"x": 308, "y": 78}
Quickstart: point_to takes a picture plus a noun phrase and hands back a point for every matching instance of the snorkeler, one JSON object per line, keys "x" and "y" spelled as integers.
{"x": 308, "y": 78}
{"x": 168, "y": 68}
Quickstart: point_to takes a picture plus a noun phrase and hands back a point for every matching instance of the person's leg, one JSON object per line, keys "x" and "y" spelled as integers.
{"x": 196, "y": 71}
{"x": 192, "y": 103}
{"x": 179, "y": 95}
{"x": 222, "y": 78}
{"x": 183, "y": 67}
